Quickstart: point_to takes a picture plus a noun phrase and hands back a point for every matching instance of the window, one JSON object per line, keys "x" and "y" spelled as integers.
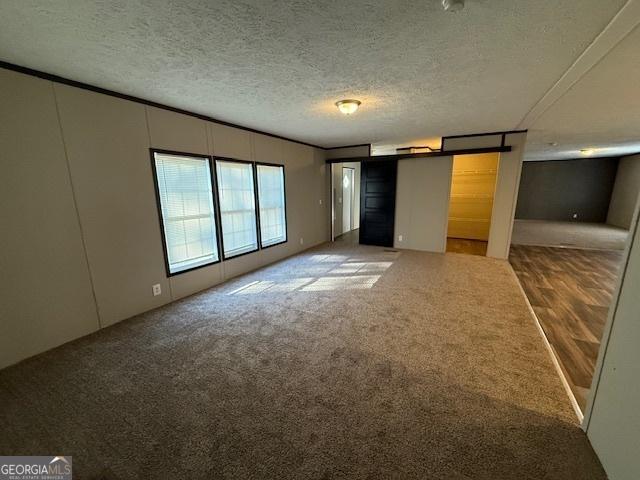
{"x": 273, "y": 220}
{"x": 187, "y": 214}
{"x": 237, "y": 207}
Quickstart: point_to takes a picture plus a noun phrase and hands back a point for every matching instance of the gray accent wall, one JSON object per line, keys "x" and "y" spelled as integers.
{"x": 558, "y": 189}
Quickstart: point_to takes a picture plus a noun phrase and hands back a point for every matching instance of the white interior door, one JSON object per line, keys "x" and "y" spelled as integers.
{"x": 347, "y": 199}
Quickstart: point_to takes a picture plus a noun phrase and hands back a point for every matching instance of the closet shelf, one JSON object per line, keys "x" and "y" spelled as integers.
{"x": 474, "y": 220}
{"x": 478, "y": 196}
{"x": 474, "y": 172}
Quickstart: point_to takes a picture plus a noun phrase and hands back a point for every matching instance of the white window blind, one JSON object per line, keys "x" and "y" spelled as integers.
{"x": 273, "y": 222}
{"x": 188, "y": 215}
{"x": 237, "y": 207}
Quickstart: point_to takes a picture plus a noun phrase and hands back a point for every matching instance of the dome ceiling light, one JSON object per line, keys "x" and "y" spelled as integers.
{"x": 348, "y": 106}
{"x": 453, "y": 5}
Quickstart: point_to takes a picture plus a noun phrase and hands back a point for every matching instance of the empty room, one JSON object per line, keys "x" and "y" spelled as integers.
{"x": 320, "y": 239}
{"x": 570, "y": 231}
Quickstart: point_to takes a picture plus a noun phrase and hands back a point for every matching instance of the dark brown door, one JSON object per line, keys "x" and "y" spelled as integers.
{"x": 378, "y": 202}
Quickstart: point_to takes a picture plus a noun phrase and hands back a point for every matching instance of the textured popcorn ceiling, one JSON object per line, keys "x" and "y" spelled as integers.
{"x": 279, "y": 66}
{"x": 602, "y": 110}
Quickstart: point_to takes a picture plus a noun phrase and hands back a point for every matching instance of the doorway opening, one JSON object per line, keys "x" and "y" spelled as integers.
{"x": 568, "y": 248}
{"x": 346, "y": 201}
{"x": 473, "y": 185}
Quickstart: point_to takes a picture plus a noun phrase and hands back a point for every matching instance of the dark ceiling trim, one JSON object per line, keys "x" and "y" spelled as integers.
{"x": 400, "y": 156}
{"x": 123, "y": 96}
{"x": 488, "y": 134}
{"x": 417, "y": 147}
{"x": 349, "y": 146}
{"x": 503, "y": 136}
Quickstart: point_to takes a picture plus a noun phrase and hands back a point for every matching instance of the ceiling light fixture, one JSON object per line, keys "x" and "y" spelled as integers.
{"x": 348, "y": 106}
{"x": 453, "y": 5}
{"x": 587, "y": 151}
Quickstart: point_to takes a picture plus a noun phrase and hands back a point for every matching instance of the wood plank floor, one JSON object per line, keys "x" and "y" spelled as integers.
{"x": 470, "y": 247}
{"x": 570, "y": 290}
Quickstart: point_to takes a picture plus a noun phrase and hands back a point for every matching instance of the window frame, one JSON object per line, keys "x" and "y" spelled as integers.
{"x": 284, "y": 186}
{"x": 255, "y": 204}
{"x": 216, "y": 207}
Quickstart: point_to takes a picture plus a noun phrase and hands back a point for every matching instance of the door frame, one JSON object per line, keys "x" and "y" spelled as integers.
{"x": 611, "y": 315}
{"x": 493, "y": 204}
{"x": 352, "y": 198}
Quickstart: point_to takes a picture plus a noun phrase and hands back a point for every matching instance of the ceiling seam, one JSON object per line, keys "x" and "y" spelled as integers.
{"x": 622, "y": 25}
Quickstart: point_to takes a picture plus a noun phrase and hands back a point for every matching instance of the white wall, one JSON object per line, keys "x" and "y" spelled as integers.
{"x": 356, "y": 193}
{"x": 107, "y": 145}
{"x": 45, "y": 286}
{"x": 625, "y": 192}
{"x": 613, "y": 419}
{"x": 481, "y": 141}
{"x": 339, "y": 200}
{"x": 336, "y": 199}
{"x": 422, "y": 203}
{"x": 79, "y": 209}
{"x": 506, "y": 196}
{"x": 336, "y": 183}
{"x": 345, "y": 152}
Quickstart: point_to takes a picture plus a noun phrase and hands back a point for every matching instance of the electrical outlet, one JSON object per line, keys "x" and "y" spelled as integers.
{"x": 157, "y": 290}
{"x": 320, "y": 201}
{"x": 301, "y": 241}
{"x": 399, "y": 238}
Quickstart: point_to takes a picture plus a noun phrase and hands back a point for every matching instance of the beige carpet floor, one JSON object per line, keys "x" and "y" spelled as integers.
{"x": 343, "y": 362}
{"x": 598, "y": 236}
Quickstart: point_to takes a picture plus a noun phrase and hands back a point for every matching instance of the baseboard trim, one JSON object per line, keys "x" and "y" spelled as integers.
{"x": 554, "y": 359}
{"x": 569, "y": 247}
